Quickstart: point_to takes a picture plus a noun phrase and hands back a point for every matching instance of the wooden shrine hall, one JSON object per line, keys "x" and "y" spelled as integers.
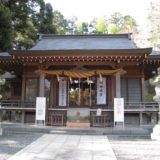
{"x": 79, "y": 74}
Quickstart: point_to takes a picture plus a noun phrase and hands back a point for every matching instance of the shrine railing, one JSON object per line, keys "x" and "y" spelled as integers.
{"x": 16, "y": 104}
{"x": 141, "y": 105}
{"x": 127, "y": 105}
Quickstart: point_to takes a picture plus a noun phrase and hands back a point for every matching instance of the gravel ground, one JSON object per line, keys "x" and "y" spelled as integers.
{"x": 135, "y": 148}
{"x": 10, "y": 143}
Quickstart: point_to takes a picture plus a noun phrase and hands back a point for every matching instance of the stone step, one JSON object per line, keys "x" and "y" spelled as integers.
{"x": 78, "y": 131}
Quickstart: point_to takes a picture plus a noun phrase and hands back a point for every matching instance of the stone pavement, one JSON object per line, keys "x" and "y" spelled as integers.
{"x": 67, "y": 147}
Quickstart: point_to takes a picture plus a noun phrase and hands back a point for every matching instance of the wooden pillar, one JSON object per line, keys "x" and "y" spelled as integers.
{"x": 51, "y": 93}
{"x": 112, "y": 88}
{"x": 42, "y": 85}
{"x": 118, "y": 85}
{"x": 55, "y": 91}
{"x": 142, "y": 89}
{"x": 23, "y": 92}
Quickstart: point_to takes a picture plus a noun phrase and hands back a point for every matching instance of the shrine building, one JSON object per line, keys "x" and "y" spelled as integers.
{"x": 79, "y": 74}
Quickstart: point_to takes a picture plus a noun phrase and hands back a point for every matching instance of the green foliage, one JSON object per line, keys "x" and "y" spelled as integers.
{"x": 21, "y": 22}
{"x": 46, "y": 19}
{"x": 129, "y": 24}
{"x": 99, "y": 25}
{"x": 116, "y": 23}
{"x": 116, "y": 19}
{"x": 27, "y": 18}
{"x": 60, "y": 23}
{"x": 82, "y": 28}
{"x": 149, "y": 91}
{"x": 6, "y": 30}
{"x": 113, "y": 29}
{"x": 122, "y": 24}
{"x": 26, "y": 39}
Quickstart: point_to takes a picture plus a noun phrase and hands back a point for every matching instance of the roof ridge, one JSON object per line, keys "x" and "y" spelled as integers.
{"x": 122, "y": 35}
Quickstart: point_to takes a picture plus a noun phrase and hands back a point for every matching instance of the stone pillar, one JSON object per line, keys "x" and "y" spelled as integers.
{"x": 118, "y": 85}
{"x": 141, "y": 118}
{"x": 23, "y": 117}
{"x": 42, "y": 85}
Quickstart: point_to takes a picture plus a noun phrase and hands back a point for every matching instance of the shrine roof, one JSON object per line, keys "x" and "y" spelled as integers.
{"x": 84, "y": 42}
{"x": 154, "y": 54}
{"x": 5, "y": 54}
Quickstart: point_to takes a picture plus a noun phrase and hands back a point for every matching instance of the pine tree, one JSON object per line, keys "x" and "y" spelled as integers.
{"x": 6, "y": 30}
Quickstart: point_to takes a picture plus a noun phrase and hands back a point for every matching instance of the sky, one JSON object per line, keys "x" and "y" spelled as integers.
{"x": 86, "y": 10}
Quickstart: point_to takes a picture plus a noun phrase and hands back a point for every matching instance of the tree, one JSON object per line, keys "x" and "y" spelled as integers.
{"x": 6, "y": 30}
{"x": 24, "y": 31}
{"x": 116, "y": 23}
{"x": 82, "y": 28}
{"x": 23, "y": 20}
{"x": 154, "y": 24}
{"x": 45, "y": 19}
{"x": 27, "y": 38}
{"x": 121, "y": 24}
{"x": 116, "y": 19}
{"x": 113, "y": 29}
{"x": 24, "y": 15}
{"x": 129, "y": 24}
{"x": 60, "y": 23}
{"x": 99, "y": 25}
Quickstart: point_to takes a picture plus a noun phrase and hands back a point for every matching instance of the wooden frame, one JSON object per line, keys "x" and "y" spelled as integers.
{"x": 54, "y": 118}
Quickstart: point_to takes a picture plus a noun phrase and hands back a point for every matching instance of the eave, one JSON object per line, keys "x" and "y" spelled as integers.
{"x": 84, "y": 52}
{"x": 139, "y": 56}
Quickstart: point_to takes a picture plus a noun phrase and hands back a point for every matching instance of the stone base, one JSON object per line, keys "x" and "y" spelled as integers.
{"x": 78, "y": 124}
{"x": 119, "y": 125}
{"x": 1, "y": 131}
{"x": 156, "y": 132}
{"x": 40, "y": 123}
